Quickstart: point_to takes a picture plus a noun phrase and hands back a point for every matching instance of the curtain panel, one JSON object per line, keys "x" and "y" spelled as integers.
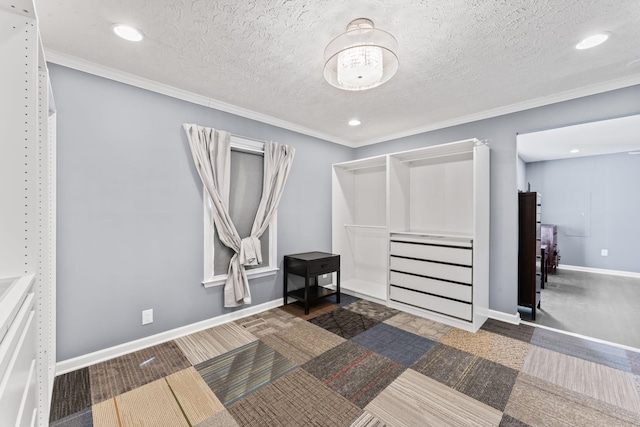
{"x": 211, "y": 151}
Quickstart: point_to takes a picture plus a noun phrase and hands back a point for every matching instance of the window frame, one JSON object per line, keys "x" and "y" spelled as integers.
{"x": 270, "y": 267}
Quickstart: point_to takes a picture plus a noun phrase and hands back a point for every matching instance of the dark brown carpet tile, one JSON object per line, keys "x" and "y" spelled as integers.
{"x": 481, "y": 379}
{"x": 355, "y": 372}
{"x": 239, "y": 372}
{"x": 124, "y": 373}
{"x": 83, "y": 418}
{"x": 518, "y": 332}
{"x": 581, "y": 348}
{"x": 345, "y": 323}
{"x": 634, "y": 361}
{"x": 316, "y": 309}
{"x": 508, "y": 421}
{"x": 296, "y": 399}
{"x": 71, "y": 394}
{"x": 372, "y": 310}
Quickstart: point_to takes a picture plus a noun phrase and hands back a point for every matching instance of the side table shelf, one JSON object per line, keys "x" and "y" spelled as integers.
{"x": 311, "y": 265}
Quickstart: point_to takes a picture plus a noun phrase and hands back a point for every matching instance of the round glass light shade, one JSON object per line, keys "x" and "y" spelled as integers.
{"x": 361, "y": 58}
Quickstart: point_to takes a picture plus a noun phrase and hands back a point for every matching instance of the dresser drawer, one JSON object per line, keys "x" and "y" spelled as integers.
{"x": 321, "y": 266}
{"x": 432, "y": 269}
{"x": 428, "y": 252}
{"x": 449, "y": 307}
{"x": 431, "y": 286}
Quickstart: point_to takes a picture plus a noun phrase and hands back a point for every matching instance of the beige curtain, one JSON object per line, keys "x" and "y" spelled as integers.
{"x": 211, "y": 151}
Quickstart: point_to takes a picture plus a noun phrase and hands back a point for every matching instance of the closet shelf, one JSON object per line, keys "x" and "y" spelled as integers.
{"x": 382, "y": 227}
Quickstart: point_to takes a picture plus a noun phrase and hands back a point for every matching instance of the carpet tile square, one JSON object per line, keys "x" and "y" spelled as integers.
{"x": 497, "y": 348}
{"x": 372, "y": 310}
{"x": 591, "y": 379}
{"x": 355, "y": 372}
{"x": 592, "y": 351}
{"x": 368, "y": 420}
{"x": 481, "y": 379}
{"x": 83, "y": 418}
{"x": 416, "y": 400}
{"x": 345, "y": 299}
{"x": 539, "y": 403}
{"x": 317, "y": 309}
{"x": 213, "y": 342}
{"x": 302, "y": 342}
{"x": 520, "y": 332}
{"x": 244, "y": 370}
{"x": 221, "y": 419}
{"x": 398, "y": 345}
{"x": 508, "y": 421}
{"x": 71, "y": 394}
{"x": 124, "y": 373}
{"x": 419, "y": 326}
{"x": 295, "y": 399}
{"x": 268, "y": 322}
{"x": 344, "y": 323}
{"x": 194, "y": 396}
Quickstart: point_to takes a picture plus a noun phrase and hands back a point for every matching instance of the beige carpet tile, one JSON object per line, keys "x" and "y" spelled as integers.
{"x": 318, "y": 309}
{"x": 591, "y": 379}
{"x": 416, "y": 400}
{"x": 150, "y": 405}
{"x": 419, "y": 326}
{"x": 221, "y": 419}
{"x": 212, "y": 342}
{"x": 368, "y": 420}
{"x": 372, "y": 310}
{"x": 539, "y": 403}
{"x": 268, "y": 322}
{"x": 105, "y": 414}
{"x": 497, "y": 348}
{"x": 295, "y": 399}
{"x": 302, "y": 342}
{"x": 195, "y": 397}
{"x": 121, "y": 374}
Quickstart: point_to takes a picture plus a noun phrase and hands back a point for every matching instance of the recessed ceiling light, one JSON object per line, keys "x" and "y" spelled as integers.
{"x": 592, "y": 41}
{"x": 127, "y": 32}
{"x": 354, "y": 122}
{"x": 574, "y": 151}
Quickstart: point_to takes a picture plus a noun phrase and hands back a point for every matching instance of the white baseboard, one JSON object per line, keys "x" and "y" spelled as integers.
{"x": 131, "y": 346}
{"x": 599, "y": 270}
{"x": 504, "y": 317}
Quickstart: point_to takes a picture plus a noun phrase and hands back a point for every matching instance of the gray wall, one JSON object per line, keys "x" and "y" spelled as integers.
{"x": 130, "y": 221}
{"x": 502, "y": 132}
{"x": 521, "y": 174}
{"x": 595, "y": 203}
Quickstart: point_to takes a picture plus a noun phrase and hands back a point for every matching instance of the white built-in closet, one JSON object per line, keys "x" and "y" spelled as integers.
{"x": 27, "y": 222}
{"x": 412, "y": 230}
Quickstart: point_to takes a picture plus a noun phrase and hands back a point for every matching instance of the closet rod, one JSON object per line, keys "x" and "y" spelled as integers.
{"x": 365, "y": 226}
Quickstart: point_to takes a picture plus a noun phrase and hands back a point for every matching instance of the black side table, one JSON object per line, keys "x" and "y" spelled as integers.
{"x": 308, "y": 265}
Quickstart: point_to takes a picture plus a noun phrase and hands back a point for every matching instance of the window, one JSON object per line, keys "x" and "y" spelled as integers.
{"x": 246, "y": 174}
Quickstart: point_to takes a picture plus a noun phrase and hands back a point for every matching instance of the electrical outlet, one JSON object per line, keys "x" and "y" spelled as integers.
{"x": 147, "y": 316}
{"x": 604, "y": 252}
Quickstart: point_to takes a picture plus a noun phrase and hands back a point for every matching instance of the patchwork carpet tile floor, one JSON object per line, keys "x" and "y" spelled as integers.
{"x": 356, "y": 364}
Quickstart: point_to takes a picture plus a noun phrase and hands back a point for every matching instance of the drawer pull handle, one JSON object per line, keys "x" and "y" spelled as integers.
{"x": 324, "y": 265}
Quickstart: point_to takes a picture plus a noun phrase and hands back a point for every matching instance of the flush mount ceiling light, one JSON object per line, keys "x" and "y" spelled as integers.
{"x": 574, "y": 151}
{"x": 361, "y": 58}
{"x": 127, "y": 32}
{"x": 354, "y": 122}
{"x": 592, "y": 41}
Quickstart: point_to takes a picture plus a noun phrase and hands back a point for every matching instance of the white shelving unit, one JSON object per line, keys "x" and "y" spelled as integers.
{"x": 360, "y": 226}
{"x": 27, "y": 223}
{"x": 431, "y": 207}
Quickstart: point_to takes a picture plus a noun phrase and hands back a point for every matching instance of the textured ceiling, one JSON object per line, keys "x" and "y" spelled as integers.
{"x": 458, "y": 58}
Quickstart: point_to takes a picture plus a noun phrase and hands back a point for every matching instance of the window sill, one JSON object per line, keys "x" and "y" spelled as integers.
{"x": 251, "y": 274}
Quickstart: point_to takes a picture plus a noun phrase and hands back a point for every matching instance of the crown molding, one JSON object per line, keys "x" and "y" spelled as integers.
{"x": 513, "y": 108}
{"x": 161, "y": 88}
